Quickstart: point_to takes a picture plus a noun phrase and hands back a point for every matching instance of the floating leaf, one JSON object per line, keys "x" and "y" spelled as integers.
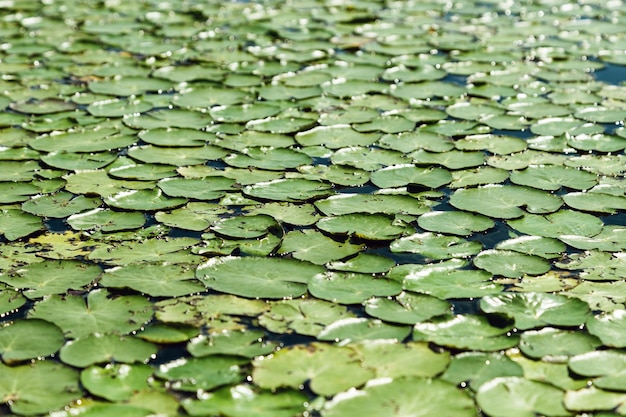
{"x": 518, "y": 397}
{"x": 553, "y": 177}
{"x": 609, "y": 328}
{"x": 406, "y": 308}
{"x": 510, "y": 264}
{"x": 504, "y": 201}
{"x": 414, "y": 396}
{"x": 99, "y": 348}
{"x": 328, "y": 369}
{"x": 476, "y": 368}
{"x": 313, "y": 246}
{"x": 205, "y": 373}
{"x": 242, "y": 400}
{"x": 51, "y": 277}
{"x": 609, "y": 366}
{"x": 115, "y": 382}
{"x": 29, "y": 339}
{"x": 61, "y": 204}
{"x": 253, "y": 226}
{"x": 235, "y": 342}
{"x": 350, "y": 288}
{"x": 363, "y": 262}
{"x": 454, "y": 222}
{"x": 563, "y": 222}
{"x": 531, "y": 310}
{"x": 155, "y": 279}
{"x": 209, "y": 188}
{"x": 408, "y": 174}
{"x": 106, "y": 220}
{"x": 78, "y": 317}
{"x": 534, "y": 245}
{"x": 610, "y": 239}
{"x": 356, "y": 329}
{"x": 376, "y": 203}
{"x": 289, "y": 189}
{"x": 302, "y": 316}
{"x": 594, "y": 399}
{"x": 364, "y": 226}
{"x": 436, "y": 246}
{"x": 555, "y": 344}
{"x": 595, "y": 202}
{"x": 39, "y": 387}
{"x": 15, "y": 224}
{"x": 143, "y": 200}
{"x": 257, "y": 277}
{"x": 465, "y": 332}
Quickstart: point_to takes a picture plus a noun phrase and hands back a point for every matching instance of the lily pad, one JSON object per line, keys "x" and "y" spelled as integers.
{"x": 401, "y": 175}
{"x": 563, "y": 222}
{"x": 257, "y": 277}
{"x": 376, "y": 203}
{"x": 15, "y": 224}
{"x": 436, "y": 246}
{"x": 39, "y": 387}
{"x": 608, "y": 366}
{"x": 78, "y": 317}
{"x": 555, "y": 344}
{"x": 328, "y": 369}
{"x": 246, "y": 227}
{"x": 100, "y": 348}
{"x": 106, "y": 220}
{"x": 595, "y": 202}
{"x": 143, "y": 200}
{"x": 29, "y": 339}
{"x": 155, "y": 279}
{"x": 242, "y": 400}
{"x": 51, "y": 277}
{"x": 350, "y": 288}
{"x": 609, "y": 328}
{"x": 115, "y": 382}
{"x": 476, "y": 368}
{"x": 505, "y": 201}
{"x": 510, "y": 264}
{"x": 364, "y": 226}
{"x": 532, "y": 310}
{"x": 302, "y": 316}
{"x": 289, "y": 189}
{"x": 406, "y": 308}
{"x": 356, "y": 329}
{"x": 414, "y": 396}
{"x": 206, "y": 373}
{"x": 61, "y": 204}
{"x": 553, "y": 177}
{"x": 545, "y": 247}
{"x": 465, "y": 332}
{"x": 363, "y": 262}
{"x": 610, "y": 239}
{"x": 209, "y": 188}
{"x": 454, "y": 222}
{"x": 247, "y": 344}
{"x": 313, "y": 246}
{"x": 518, "y": 397}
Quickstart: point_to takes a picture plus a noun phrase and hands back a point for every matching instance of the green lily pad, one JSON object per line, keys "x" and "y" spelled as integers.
{"x": 29, "y": 339}
{"x": 295, "y": 214}
{"x": 242, "y": 400}
{"x": 15, "y": 224}
{"x": 155, "y": 279}
{"x": 596, "y": 399}
{"x": 364, "y": 226}
{"x": 476, "y": 368}
{"x": 610, "y": 239}
{"x": 51, "y": 277}
{"x": 117, "y": 107}
{"x": 478, "y": 176}
{"x": 247, "y": 344}
{"x": 257, "y": 277}
{"x": 313, "y": 246}
{"x": 100, "y": 348}
{"x": 504, "y": 201}
{"x": 600, "y": 114}
{"x": 531, "y": 310}
{"x": 78, "y": 317}
{"x": 39, "y": 387}
{"x": 414, "y": 396}
{"x": 554, "y": 344}
{"x": 84, "y": 140}
{"x": 176, "y": 137}
{"x": 79, "y": 161}
{"x": 510, "y": 264}
{"x": 554, "y": 225}
{"x": 436, "y": 246}
{"x": 452, "y": 159}
{"x": 253, "y": 226}
{"x": 115, "y": 382}
{"x": 608, "y": 366}
{"x": 465, "y": 332}
{"x": 609, "y": 328}
{"x": 106, "y": 220}
{"x": 14, "y": 192}
{"x": 197, "y": 216}
{"x": 356, "y": 329}
{"x": 406, "y": 308}
{"x": 408, "y": 174}
{"x": 207, "y": 373}
{"x": 143, "y": 200}
{"x": 174, "y": 250}
{"x": 289, "y": 189}
{"x": 376, "y": 203}
{"x": 328, "y": 369}
{"x": 454, "y": 222}
{"x": 302, "y": 316}
{"x": 445, "y": 282}
{"x": 44, "y": 106}
{"x": 518, "y": 397}
{"x": 10, "y": 299}
{"x": 276, "y": 159}
{"x": 545, "y": 247}
{"x": 241, "y": 113}
{"x": 179, "y": 156}
{"x": 595, "y": 202}
{"x": 129, "y": 86}
{"x": 596, "y": 266}
{"x": 350, "y": 288}
{"x": 367, "y": 159}
{"x": 162, "y": 333}
{"x": 61, "y": 204}
{"x": 209, "y": 188}
{"x": 364, "y": 263}
{"x": 553, "y": 177}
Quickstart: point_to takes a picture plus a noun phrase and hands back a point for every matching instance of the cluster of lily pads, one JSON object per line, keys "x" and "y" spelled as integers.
{"x": 312, "y": 208}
